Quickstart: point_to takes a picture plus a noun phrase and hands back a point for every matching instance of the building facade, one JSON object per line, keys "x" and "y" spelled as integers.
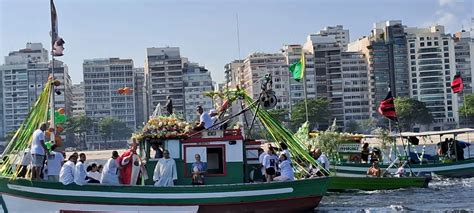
{"x": 197, "y": 81}
{"x": 432, "y": 68}
{"x": 102, "y": 80}
{"x": 164, "y": 77}
{"x": 23, "y": 77}
{"x": 78, "y": 99}
{"x": 257, "y": 65}
{"x": 386, "y": 54}
{"x": 340, "y": 34}
{"x": 140, "y": 97}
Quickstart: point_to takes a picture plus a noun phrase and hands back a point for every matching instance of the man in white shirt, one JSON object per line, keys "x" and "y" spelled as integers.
{"x": 205, "y": 120}
{"x": 54, "y": 163}
{"x": 66, "y": 175}
{"x": 323, "y": 160}
{"x": 38, "y": 151}
{"x": 261, "y": 156}
{"x": 110, "y": 171}
{"x": 165, "y": 173}
{"x": 80, "y": 172}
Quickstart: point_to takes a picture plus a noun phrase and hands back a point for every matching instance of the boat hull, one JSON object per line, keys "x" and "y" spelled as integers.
{"x": 464, "y": 168}
{"x": 20, "y": 195}
{"x": 367, "y": 183}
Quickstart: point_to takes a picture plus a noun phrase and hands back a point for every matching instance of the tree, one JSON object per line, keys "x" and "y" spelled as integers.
{"x": 410, "y": 112}
{"x": 113, "y": 129}
{"x": 352, "y": 126}
{"x": 281, "y": 115}
{"x": 467, "y": 109}
{"x": 318, "y": 113}
{"x": 80, "y": 126}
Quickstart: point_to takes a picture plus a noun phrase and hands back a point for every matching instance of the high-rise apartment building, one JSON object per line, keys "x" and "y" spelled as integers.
{"x": 257, "y": 65}
{"x": 464, "y": 59}
{"x": 356, "y": 96}
{"x": 340, "y": 34}
{"x": 140, "y": 97}
{"x": 326, "y": 51}
{"x": 23, "y": 77}
{"x": 164, "y": 77}
{"x": 386, "y": 53}
{"x": 432, "y": 68}
{"x": 292, "y": 54}
{"x": 78, "y": 99}
{"x": 102, "y": 80}
{"x": 197, "y": 81}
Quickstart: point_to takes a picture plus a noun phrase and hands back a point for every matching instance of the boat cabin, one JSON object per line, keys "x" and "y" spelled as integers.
{"x": 221, "y": 150}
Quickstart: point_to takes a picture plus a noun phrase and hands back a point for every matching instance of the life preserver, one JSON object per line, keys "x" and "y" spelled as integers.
{"x": 354, "y": 157}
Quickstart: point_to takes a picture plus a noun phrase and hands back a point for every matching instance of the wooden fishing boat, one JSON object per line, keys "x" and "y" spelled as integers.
{"x": 368, "y": 183}
{"x": 22, "y": 195}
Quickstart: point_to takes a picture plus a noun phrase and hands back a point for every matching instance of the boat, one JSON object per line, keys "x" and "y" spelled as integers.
{"x": 339, "y": 183}
{"x": 227, "y": 153}
{"x": 350, "y": 165}
{"x": 21, "y": 195}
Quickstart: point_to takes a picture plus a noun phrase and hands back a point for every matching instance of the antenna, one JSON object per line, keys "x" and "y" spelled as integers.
{"x": 238, "y": 34}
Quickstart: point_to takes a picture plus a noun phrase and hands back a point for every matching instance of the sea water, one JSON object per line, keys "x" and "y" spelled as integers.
{"x": 442, "y": 195}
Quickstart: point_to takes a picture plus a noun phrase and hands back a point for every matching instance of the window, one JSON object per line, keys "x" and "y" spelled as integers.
{"x": 422, "y": 44}
{"x": 429, "y": 43}
{"x": 445, "y": 42}
{"x": 212, "y": 155}
{"x": 215, "y": 160}
{"x": 422, "y": 38}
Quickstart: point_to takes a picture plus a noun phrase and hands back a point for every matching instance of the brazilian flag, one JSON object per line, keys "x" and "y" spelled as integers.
{"x": 297, "y": 68}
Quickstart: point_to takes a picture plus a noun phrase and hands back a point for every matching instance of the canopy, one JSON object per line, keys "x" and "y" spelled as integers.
{"x": 446, "y": 132}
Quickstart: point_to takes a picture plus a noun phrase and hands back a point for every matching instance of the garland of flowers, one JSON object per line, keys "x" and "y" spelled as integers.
{"x": 164, "y": 128}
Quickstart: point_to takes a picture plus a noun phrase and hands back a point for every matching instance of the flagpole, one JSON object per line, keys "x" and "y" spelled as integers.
{"x": 304, "y": 85}
{"x": 52, "y": 110}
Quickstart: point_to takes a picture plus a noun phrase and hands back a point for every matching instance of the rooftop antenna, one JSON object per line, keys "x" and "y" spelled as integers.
{"x": 238, "y": 33}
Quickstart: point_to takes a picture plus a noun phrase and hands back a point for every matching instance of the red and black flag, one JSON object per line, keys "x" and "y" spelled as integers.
{"x": 57, "y": 42}
{"x": 456, "y": 84}
{"x": 387, "y": 107}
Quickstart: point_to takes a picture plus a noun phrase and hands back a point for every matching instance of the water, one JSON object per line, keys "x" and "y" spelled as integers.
{"x": 442, "y": 195}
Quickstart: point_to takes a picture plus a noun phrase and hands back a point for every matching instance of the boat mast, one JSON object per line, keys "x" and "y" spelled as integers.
{"x": 52, "y": 107}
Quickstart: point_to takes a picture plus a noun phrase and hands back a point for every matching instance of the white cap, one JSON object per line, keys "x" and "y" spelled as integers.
{"x": 212, "y": 111}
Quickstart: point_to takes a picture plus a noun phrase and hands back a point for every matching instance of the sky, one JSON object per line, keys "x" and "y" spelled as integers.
{"x": 206, "y": 30}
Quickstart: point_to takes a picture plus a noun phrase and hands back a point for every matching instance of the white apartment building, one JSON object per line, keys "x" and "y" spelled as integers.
{"x": 464, "y": 56}
{"x": 432, "y": 68}
{"x": 197, "y": 81}
{"x": 355, "y": 80}
{"x": 102, "y": 80}
{"x": 292, "y": 54}
{"x": 78, "y": 99}
{"x": 164, "y": 77}
{"x": 23, "y": 77}
{"x": 257, "y": 65}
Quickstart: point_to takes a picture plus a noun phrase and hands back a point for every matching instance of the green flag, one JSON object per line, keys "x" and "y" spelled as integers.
{"x": 297, "y": 68}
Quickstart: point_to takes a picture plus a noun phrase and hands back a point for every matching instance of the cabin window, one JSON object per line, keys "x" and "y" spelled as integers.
{"x": 212, "y": 155}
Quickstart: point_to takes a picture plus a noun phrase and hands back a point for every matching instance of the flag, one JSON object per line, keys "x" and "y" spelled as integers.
{"x": 56, "y": 41}
{"x": 297, "y": 68}
{"x": 456, "y": 84}
{"x": 387, "y": 107}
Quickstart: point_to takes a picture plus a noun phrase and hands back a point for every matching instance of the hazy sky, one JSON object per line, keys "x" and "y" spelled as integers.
{"x": 205, "y": 30}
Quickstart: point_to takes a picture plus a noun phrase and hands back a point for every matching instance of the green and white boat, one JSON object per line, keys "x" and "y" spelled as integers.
{"x": 350, "y": 165}
{"x": 227, "y": 155}
{"x": 368, "y": 183}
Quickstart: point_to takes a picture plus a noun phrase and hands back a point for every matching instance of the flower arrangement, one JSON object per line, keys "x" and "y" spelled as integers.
{"x": 164, "y": 128}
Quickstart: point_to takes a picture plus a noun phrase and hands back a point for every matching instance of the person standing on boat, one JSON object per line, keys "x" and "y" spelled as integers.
{"x": 364, "y": 154}
{"x": 165, "y": 173}
{"x": 199, "y": 169}
{"x": 261, "y": 156}
{"x": 54, "y": 164}
{"x": 169, "y": 105}
{"x": 323, "y": 160}
{"x": 285, "y": 150}
{"x": 38, "y": 151}
{"x": 110, "y": 171}
{"x": 130, "y": 165}
{"x": 205, "y": 120}
{"x": 80, "y": 173}
{"x": 270, "y": 164}
{"x": 66, "y": 175}
{"x": 286, "y": 170}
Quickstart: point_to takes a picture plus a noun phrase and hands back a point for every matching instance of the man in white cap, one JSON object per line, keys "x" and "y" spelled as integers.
{"x": 214, "y": 118}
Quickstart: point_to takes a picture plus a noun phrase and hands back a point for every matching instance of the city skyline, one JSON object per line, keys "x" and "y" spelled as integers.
{"x": 207, "y": 30}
